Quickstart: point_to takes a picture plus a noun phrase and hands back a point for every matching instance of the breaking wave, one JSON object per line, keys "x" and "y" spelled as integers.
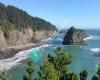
{"x": 95, "y": 49}
{"x": 11, "y": 62}
{"x": 92, "y": 37}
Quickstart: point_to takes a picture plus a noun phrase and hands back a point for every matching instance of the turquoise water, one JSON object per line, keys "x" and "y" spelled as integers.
{"x": 83, "y": 57}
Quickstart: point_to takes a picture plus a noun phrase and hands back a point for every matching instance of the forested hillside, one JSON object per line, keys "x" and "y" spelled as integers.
{"x": 22, "y": 19}
{"x": 18, "y": 27}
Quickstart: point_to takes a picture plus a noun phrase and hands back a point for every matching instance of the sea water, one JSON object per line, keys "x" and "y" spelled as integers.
{"x": 83, "y": 56}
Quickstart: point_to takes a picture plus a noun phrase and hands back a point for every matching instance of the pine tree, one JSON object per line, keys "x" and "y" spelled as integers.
{"x": 60, "y": 62}
{"x": 47, "y": 72}
{"x": 72, "y": 76}
{"x": 83, "y": 75}
{"x": 97, "y": 76}
{"x": 98, "y": 72}
{"x": 4, "y": 75}
{"x": 29, "y": 71}
{"x": 94, "y": 77}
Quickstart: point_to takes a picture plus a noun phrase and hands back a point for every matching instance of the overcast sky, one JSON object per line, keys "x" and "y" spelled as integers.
{"x": 62, "y": 13}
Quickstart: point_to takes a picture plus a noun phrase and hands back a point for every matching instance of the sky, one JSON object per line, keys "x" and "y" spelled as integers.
{"x": 62, "y": 13}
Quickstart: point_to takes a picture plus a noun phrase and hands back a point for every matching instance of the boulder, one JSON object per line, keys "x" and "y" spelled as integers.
{"x": 74, "y": 36}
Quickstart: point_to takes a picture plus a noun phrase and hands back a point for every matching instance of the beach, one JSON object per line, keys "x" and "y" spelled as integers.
{"x": 10, "y": 52}
{"x": 12, "y": 56}
{"x": 13, "y": 50}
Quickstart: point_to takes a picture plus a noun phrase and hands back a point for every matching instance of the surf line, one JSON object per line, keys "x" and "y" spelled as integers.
{"x": 15, "y": 60}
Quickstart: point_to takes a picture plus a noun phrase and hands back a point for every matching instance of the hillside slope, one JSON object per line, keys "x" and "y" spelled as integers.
{"x": 18, "y": 27}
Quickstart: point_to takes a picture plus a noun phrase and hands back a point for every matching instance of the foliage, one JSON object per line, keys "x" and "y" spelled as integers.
{"x": 6, "y": 27}
{"x": 94, "y": 77}
{"x": 3, "y": 12}
{"x": 60, "y": 61}
{"x": 4, "y": 75}
{"x": 71, "y": 76}
{"x": 97, "y": 76}
{"x": 21, "y": 19}
{"x": 83, "y": 75}
{"x": 47, "y": 72}
{"x": 98, "y": 72}
{"x": 29, "y": 71}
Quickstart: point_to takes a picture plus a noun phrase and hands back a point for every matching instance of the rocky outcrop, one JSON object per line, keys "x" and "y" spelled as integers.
{"x": 74, "y": 36}
{"x": 20, "y": 31}
{"x": 17, "y": 38}
{"x": 17, "y": 27}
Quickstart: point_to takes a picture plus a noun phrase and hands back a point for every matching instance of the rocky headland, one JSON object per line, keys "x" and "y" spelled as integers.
{"x": 20, "y": 31}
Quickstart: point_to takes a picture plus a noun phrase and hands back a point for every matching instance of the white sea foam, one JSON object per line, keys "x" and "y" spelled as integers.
{"x": 92, "y": 37}
{"x": 95, "y": 49}
{"x": 11, "y": 62}
{"x": 59, "y": 39}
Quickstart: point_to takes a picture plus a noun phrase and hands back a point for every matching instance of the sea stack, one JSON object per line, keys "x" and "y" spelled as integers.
{"x": 74, "y": 36}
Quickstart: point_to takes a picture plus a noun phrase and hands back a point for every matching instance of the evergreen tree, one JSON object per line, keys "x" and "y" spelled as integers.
{"x": 94, "y": 77}
{"x": 98, "y": 72}
{"x": 4, "y": 75}
{"x": 3, "y": 13}
{"x": 97, "y": 76}
{"x": 21, "y": 19}
{"x": 47, "y": 72}
{"x": 72, "y": 76}
{"x": 60, "y": 62}
{"x": 83, "y": 75}
{"x": 29, "y": 71}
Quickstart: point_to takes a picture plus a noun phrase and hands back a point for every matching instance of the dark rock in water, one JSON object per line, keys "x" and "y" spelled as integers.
{"x": 97, "y": 54}
{"x": 74, "y": 36}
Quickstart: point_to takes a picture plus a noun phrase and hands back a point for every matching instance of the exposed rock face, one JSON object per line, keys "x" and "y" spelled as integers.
{"x": 17, "y": 38}
{"x": 74, "y": 36}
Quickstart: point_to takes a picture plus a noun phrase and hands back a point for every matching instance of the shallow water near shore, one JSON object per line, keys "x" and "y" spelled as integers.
{"x": 84, "y": 56}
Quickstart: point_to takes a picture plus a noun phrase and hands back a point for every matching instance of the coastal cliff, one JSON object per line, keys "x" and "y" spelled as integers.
{"x": 74, "y": 36}
{"x": 19, "y": 38}
{"x": 17, "y": 27}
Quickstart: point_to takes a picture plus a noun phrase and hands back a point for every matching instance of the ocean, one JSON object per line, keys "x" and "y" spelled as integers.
{"x": 83, "y": 56}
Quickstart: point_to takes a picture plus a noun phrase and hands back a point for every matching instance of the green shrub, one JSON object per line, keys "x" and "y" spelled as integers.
{"x": 6, "y": 27}
{"x": 4, "y": 75}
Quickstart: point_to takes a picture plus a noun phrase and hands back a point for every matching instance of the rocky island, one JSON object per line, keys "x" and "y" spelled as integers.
{"x": 74, "y": 36}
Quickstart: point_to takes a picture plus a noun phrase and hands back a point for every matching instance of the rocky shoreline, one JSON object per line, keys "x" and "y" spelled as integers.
{"x": 11, "y": 51}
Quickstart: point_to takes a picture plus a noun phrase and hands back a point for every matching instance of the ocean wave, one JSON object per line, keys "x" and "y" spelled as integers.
{"x": 60, "y": 39}
{"x": 96, "y": 52}
{"x": 93, "y": 37}
{"x": 11, "y": 62}
{"x": 95, "y": 49}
